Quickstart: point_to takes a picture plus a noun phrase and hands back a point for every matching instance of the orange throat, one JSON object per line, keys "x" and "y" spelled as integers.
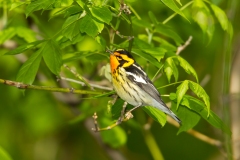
{"x": 114, "y": 63}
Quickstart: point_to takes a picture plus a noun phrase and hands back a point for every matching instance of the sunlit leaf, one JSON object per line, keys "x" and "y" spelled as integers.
{"x": 221, "y": 16}
{"x": 156, "y": 52}
{"x": 186, "y": 66}
{"x": 199, "y": 107}
{"x": 16, "y": 4}
{"x": 90, "y": 26}
{"x": 179, "y": 2}
{"x": 27, "y": 34}
{"x": 156, "y": 114}
{"x": 171, "y": 4}
{"x": 170, "y": 69}
{"x": 203, "y": 17}
{"x": 147, "y": 57}
{"x": 181, "y": 91}
{"x": 38, "y": 5}
{"x": 71, "y": 26}
{"x": 103, "y": 14}
{"x": 7, "y": 34}
{"x": 28, "y": 70}
{"x": 52, "y": 56}
{"x": 200, "y": 92}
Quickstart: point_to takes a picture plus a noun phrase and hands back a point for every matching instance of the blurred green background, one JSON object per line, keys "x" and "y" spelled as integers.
{"x": 39, "y": 125}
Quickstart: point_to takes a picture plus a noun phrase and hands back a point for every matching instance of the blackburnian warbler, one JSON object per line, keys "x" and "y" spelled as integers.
{"x": 133, "y": 85}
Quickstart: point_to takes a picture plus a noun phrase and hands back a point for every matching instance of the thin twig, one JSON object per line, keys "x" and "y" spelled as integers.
{"x": 20, "y": 85}
{"x": 97, "y": 129}
{"x": 84, "y": 84}
{"x": 182, "y": 47}
{"x": 78, "y": 76}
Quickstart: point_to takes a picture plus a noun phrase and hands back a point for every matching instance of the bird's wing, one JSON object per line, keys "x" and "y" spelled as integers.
{"x": 139, "y": 77}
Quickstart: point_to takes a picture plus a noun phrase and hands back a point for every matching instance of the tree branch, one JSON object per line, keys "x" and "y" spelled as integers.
{"x": 20, "y": 85}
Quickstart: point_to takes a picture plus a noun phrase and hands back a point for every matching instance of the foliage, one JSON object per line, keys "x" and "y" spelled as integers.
{"x": 85, "y": 29}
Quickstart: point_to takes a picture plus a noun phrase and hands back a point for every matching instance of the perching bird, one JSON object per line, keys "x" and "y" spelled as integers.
{"x": 133, "y": 85}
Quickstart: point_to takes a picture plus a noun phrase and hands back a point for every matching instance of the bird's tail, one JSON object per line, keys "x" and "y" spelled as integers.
{"x": 170, "y": 113}
{"x": 163, "y": 107}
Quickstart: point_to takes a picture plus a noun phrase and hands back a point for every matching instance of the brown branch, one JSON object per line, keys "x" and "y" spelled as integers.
{"x": 182, "y": 47}
{"x": 197, "y": 134}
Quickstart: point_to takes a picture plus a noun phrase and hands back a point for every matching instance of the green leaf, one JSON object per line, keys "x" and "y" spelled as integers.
{"x": 181, "y": 91}
{"x": 165, "y": 44}
{"x": 147, "y": 57}
{"x": 28, "y": 71}
{"x": 170, "y": 69}
{"x": 116, "y": 137}
{"x": 153, "y": 18}
{"x": 169, "y": 32}
{"x": 221, "y": 16}
{"x": 141, "y": 23}
{"x": 16, "y": 4}
{"x": 156, "y": 52}
{"x": 179, "y": 2}
{"x": 64, "y": 42}
{"x": 199, "y": 107}
{"x": 186, "y": 66}
{"x": 171, "y": 4}
{"x": 103, "y": 14}
{"x": 4, "y": 155}
{"x": 76, "y": 56}
{"x": 156, "y": 114}
{"x": 203, "y": 17}
{"x": 38, "y": 5}
{"x": 52, "y": 56}
{"x": 116, "y": 109}
{"x": 188, "y": 117}
{"x": 7, "y": 34}
{"x": 27, "y": 34}
{"x": 71, "y": 26}
{"x": 200, "y": 92}
{"x": 24, "y": 47}
{"x": 100, "y": 40}
{"x": 90, "y": 26}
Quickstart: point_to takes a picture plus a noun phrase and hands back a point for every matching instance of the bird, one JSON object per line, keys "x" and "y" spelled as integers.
{"x": 133, "y": 85}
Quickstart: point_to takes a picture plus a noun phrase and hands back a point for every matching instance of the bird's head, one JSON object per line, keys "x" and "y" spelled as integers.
{"x": 120, "y": 58}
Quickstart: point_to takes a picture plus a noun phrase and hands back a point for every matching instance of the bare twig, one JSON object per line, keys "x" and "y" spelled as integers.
{"x": 20, "y": 85}
{"x": 182, "y": 47}
{"x": 129, "y": 38}
{"x": 84, "y": 84}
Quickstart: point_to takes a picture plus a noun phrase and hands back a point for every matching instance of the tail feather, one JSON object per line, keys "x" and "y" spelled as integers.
{"x": 174, "y": 117}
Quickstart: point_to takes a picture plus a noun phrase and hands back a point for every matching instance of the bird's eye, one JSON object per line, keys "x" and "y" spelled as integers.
{"x": 119, "y": 58}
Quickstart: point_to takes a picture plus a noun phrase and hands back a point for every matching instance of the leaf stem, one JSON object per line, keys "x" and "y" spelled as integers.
{"x": 170, "y": 84}
{"x": 174, "y": 14}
